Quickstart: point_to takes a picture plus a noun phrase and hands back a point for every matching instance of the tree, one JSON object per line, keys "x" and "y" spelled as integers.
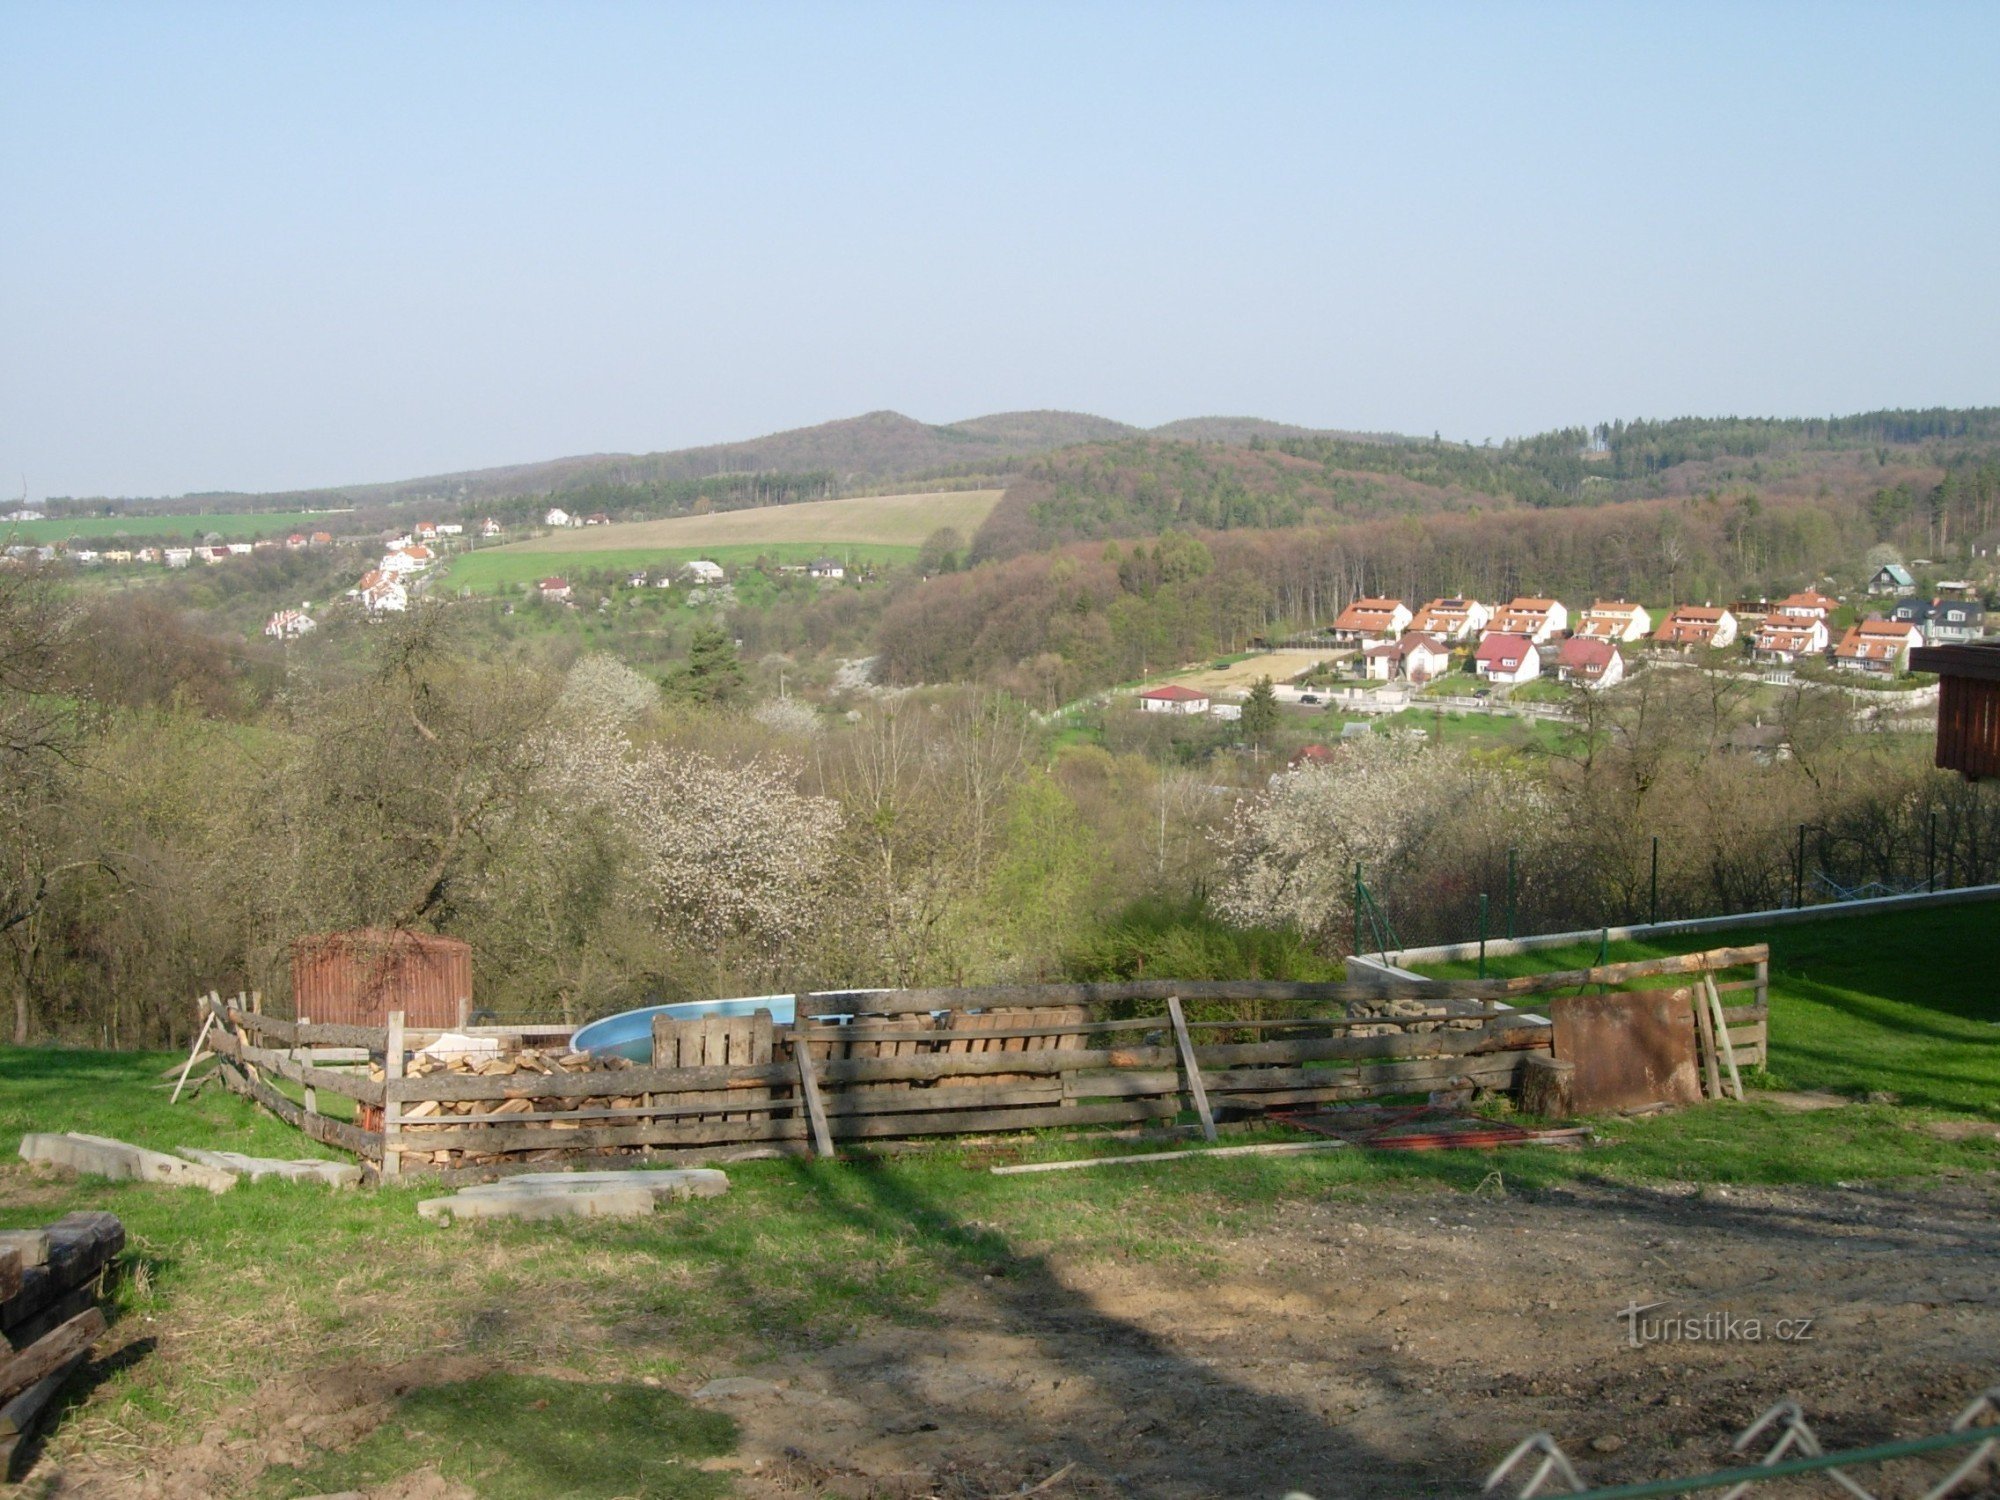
{"x": 941, "y": 551}
{"x": 714, "y": 675}
{"x": 1260, "y": 712}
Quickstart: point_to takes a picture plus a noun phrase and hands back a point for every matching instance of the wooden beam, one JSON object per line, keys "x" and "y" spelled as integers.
{"x": 1711, "y": 1082}
{"x": 51, "y": 1352}
{"x": 1272, "y": 1148}
{"x": 392, "y": 1099}
{"x": 1192, "y": 1067}
{"x": 809, "y": 1086}
{"x": 207, "y": 1020}
{"x": 1719, "y": 1024}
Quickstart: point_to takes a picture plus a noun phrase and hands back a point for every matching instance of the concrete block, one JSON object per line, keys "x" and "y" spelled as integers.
{"x": 103, "y": 1157}
{"x": 338, "y": 1174}
{"x": 540, "y": 1203}
{"x": 695, "y": 1182}
{"x": 31, "y": 1244}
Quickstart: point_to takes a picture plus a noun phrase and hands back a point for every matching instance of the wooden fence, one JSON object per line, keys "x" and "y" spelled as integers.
{"x": 874, "y": 1065}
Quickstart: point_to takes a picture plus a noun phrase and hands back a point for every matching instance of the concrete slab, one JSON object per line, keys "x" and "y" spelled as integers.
{"x": 678, "y": 1182}
{"x": 595, "y": 1203}
{"x": 339, "y": 1174}
{"x": 119, "y": 1160}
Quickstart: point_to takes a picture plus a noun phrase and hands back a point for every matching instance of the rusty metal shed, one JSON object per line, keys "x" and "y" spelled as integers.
{"x": 357, "y": 978}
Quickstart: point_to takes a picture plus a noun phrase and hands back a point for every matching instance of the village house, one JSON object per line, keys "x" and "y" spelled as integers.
{"x": 1944, "y": 622}
{"x": 489, "y": 527}
{"x": 1507, "y": 660}
{"x": 178, "y": 557}
{"x": 424, "y": 531}
{"x": 1590, "y": 661}
{"x": 637, "y": 580}
{"x": 597, "y": 518}
{"x": 387, "y": 597}
{"x": 1369, "y": 622}
{"x": 1615, "y": 620}
{"x": 288, "y": 624}
{"x": 450, "y": 528}
{"x": 557, "y": 516}
{"x": 1785, "y": 638}
{"x": 1540, "y": 620}
{"x": 1807, "y": 604}
{"x": 321, "y": 539}
{"x": 296, "y": 541}
{"x": 1699, "y": 625}
{"x": 402, "y": 562}
{"x": 1891, "y": 578}
{"x": 555, "y": 590}
{"x": 1452, "y": 620}
{"x": 1173, "y": 699}
{"x": 825, "y": 567}
{"x": 87, "y": 556}
{"x": 1417, "y": 657}
{"x": 1879, "y": 647}
{"x": 1310, "y": 756}
{"x": 238, "y": 549}
{"x": 701, "y": 570}
{"x": 117, "y": 555}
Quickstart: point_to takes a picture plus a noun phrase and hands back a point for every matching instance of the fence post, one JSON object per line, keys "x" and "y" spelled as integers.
{"x": 303, "y": 1055}
{"x": 392, "y": 1099}
{"x": 1482, "y": 934}
{"x": 1656, "y": 880}
{"x": 1357, "y": 909}
{"x": 1799, "y": 871}
{"x": 1511, "y": 888}
{"x": 1930, "y": 854}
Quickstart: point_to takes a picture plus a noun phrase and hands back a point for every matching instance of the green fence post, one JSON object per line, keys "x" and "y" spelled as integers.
{"x": 1511, "y": 888}
{"x": 1482, "y": 934}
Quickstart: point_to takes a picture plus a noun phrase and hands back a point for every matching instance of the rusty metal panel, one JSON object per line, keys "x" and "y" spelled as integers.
{"x": 1629, "y": 1049}
{"x": 357, "y": 978}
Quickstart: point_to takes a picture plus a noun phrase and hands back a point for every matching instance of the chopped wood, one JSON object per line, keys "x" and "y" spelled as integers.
{"x": 1273, "y": 1148}
{"x": 50, "y": 1353}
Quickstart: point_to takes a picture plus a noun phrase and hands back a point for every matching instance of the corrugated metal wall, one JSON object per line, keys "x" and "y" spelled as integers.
{"x": 357, "y": 978}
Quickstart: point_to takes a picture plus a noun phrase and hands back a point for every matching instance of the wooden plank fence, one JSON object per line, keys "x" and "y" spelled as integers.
{"x": 866, "y": 1066}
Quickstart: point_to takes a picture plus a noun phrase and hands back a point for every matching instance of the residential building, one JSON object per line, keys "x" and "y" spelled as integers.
{"x": 1367, "y": 622}
{"x": 556, "y": 590}
{"x": 489, "y": 527}
{"x": 1452, "y": 620}
{"x": 289, "y": 624}
{"x": 825, "y": 567}
{"x": 424, "y": 531}
{"x": 1590, "y": 661}
{"x": 1944, "y": 622}
{"x": 1540, "y": 620}
{"x": 701, "y": 570}
{"x": 1879, "y": 647}
{"x": 320, "y": 539}
{"x": 1417, "y": 657}
{"x": 1785, "y": 638}
{"x": 178, "y": 557}
{"x": 1173, "y": 699}
{"x": 387, "y": 597}
{"x": 557, "y": 516}
{"x": 1891, "y": 578}
{"x": 1807, "y": 604}
{"x": 296, "y": 540}
{"x": 1699, "y": 625}
{"x": 1507, "y": 660}
{"x": 450, "y": 528}
{"x": 1615, "y": 620}
{"x": 597, "y": 518}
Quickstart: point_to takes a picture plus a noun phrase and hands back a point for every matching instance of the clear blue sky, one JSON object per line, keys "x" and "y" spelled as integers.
{"x": 255, "y": 246}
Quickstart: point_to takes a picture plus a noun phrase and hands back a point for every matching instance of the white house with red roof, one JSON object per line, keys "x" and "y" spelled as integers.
{"x": 1615, "y": 620}
{"x": 1699, "y": 625}
{"x": 1173, "y": 699}
{"x": 1368, "y": 622}
{"x": 1416, "y": 656}
{"x": 1807, "y": 604}
{"x": 1880, "y": 648}
{"x": 1785, "y": 638}
{"x": 289, "y": 624}
{"x": 1457, "y": 619}
{"x": 1507, "y": 660}
{"x": 1590, "y": 661}
{"x": 1540, "y": 620}
{"x": 556, "y": 590}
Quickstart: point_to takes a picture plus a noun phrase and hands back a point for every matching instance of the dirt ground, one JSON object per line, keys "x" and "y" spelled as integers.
{"x": 1239, "y": 677}
{"x": 1396, "y": 1344}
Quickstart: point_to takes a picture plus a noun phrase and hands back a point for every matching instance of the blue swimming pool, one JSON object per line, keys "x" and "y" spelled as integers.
{"x": 630, "y": 1032}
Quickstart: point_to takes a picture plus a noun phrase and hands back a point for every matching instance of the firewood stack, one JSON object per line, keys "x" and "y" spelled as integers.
{"x": 524, "y": 1063}
{"x": 50, "y": 1281}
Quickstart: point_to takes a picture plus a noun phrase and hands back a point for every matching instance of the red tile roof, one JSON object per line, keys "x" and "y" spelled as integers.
{"x": 1173, "y": 692}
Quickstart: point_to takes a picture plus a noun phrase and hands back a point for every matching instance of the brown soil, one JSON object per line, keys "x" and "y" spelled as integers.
{"x": 1396, "y": 1344}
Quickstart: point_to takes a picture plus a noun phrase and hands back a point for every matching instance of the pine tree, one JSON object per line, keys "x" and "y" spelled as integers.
{"x": 1260, "y": 711}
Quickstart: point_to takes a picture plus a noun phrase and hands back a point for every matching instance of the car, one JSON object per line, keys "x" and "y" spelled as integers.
{"x": 1482, "y": 692}
{"x": 1308, "y": 697}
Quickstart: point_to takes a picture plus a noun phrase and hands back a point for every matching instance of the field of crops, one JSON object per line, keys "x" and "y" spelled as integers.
{"x": 241, "y": 527}
{"x": 494, "y": 568}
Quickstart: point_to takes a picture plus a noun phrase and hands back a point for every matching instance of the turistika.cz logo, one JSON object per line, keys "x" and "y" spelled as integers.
{"x": 1708, "y": 1328}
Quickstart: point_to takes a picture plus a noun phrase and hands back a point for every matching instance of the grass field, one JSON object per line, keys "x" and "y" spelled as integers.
{"x": 235, "y": 528}
{"x": 898, "y": 520}
{"x": 493, "y": 568}
{"x": 243, "y": 1291}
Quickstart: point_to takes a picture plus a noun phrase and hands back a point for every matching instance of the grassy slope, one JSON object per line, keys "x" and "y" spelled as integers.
{"x": 235, "y": 528}
{"x": 799, "y": 1251}
{"x": 898, "y": 520}
{"x": 492, "y": 568}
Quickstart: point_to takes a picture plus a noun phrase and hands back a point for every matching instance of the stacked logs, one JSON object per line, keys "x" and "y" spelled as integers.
{"x": 521, "y": 1062}
{"x": 50, "y": 1281}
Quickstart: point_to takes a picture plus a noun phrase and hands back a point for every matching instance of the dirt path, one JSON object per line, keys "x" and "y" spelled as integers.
{"x": 1399, "y": 1345}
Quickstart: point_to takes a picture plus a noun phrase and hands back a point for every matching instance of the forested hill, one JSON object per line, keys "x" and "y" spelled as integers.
{"x": 1277, "y": 477}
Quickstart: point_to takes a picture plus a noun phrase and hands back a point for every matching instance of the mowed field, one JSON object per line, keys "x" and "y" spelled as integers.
{"x": 862, "y": 529}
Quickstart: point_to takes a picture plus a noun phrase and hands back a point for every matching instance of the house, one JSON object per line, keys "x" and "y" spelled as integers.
{"x": 117, "y": 555}
{"x": 664, "y": 581}
{"x": 1452, "y": 620}
{"x": 1173, "y": 699}
{"x": 1507, "y": 659}
{"x": 386, "y": 597}
{"x": 1417, "y": 656}
{"x": 557, "y": 516}
{"x": 88, "y": 556}
{"x": 1807, "y": 604}
{"x": 400, "y": 563}
{"x": 637, "y": 580}
{"x": 1699, "y": 625}
{"x": 296, "y": 540}
{"x": 1891, "y": 578}
{"x": 1590, "y": 661}
{"x": 289, "y": 624}
{"x": 178, "y": 557}
{"x": 701, "y": 570}
{"x": 450, "y": 528}
{"x": 489, "y": 527}
{"x": 1944, "y": 622}
{"x": 1785, "y": 638}
{"x": 597, "y": 518}
{"x": 1311, "y": 755}
{"x": 148, "y": 555}
{"x": 825, "y": 567}
{"x": 238, "y": 549}
{"x": 425, "y": 531}
{"x": 1540, "y": 620}
{"x": 1879, "y": 647}
{"x": 1750, "y": 613}
{"x": 554, "y": 589}
{"x": 1615, "y": 620}
{"x": 321, "y": 539}
{"x": 1367, "y": 622}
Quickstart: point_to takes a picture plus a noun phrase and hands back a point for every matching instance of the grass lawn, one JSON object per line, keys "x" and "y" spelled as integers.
{"x": 1477, "y": 731}
{"x": 242, "y": 526}
{"x": 493, "y": 568}
{"x": 244, "y": 1288}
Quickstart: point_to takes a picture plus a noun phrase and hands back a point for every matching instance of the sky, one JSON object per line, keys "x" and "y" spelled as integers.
{"x": 259, "y": 247}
